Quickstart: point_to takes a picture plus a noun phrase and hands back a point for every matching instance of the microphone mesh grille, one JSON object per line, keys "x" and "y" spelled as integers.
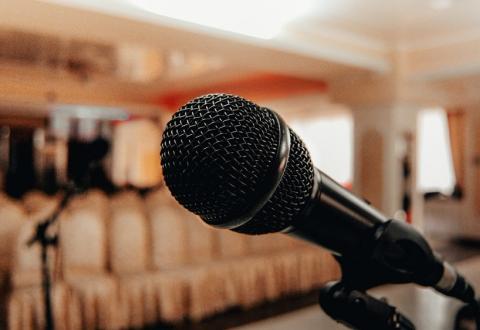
{"x": 291, "y": 195}
{"x": 216, "y": 151}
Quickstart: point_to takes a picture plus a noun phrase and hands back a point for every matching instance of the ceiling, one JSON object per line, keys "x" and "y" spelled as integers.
{"x": 407, "y": 23}
{"x": 336, "y": 39}
{"x": 397, "y": 23}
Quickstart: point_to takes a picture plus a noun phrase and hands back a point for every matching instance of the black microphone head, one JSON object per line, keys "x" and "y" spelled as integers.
{"x": 217, "y": 151}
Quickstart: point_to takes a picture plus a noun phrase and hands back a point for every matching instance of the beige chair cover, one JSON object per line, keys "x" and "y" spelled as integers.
{"x": 201, "y": 238}
{"x": 128, "y": 239}
{"x": 264, "y": 244}
{"x": 26, "y": 309}
{"x": 231, "y": 244}
{"x": 209, "y": 289}
{"x": 149, "y": 298}
{"x": 12, "y": 218}
{"x": 168, "y": 237}
{"x": 83, "y": 246}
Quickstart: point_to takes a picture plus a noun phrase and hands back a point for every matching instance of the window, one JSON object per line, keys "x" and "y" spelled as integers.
{"x": 434, "y": 161}
{"x": 330, "y": 142}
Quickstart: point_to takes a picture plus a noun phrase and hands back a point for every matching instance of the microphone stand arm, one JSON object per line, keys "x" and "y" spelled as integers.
{"x": 45, "y": 240}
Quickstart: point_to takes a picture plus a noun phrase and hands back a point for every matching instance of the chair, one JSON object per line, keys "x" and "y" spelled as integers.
{"x": 83, "y": 250}
{"x": 168, "y": 232}
{"x": 12, "y": 217}
{"x": 129, "y": 259}
{"x": 25, "y": 303}
{"x": 26, "y": 309}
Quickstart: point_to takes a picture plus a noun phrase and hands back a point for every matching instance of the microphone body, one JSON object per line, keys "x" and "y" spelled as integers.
{"x": 239, "y": 166}
{"x": 336, "y": 219}
{"x": 372, "y": 249}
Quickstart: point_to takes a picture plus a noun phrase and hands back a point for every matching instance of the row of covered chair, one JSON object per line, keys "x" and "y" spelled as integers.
{"x": 127, "y": 261}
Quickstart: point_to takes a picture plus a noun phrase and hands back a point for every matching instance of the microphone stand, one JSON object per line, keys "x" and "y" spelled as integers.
{"x": 346, "y": 301}
{"x": 45, "y": 240}
{"x": 358, "y": 310}
{"x": 468, "y": 314}
{"x": 396, "y": 255}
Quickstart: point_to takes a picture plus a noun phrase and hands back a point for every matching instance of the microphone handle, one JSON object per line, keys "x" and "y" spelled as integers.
{"x": 455, "y": 285}
{"x": 336, "y": 219}
{"x": 370, "y": 248}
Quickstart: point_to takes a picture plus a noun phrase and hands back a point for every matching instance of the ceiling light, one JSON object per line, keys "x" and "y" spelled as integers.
{"x": 258, "y": 18}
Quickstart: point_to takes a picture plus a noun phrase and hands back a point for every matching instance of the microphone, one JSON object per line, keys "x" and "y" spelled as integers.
{"x": 238, "y": 166}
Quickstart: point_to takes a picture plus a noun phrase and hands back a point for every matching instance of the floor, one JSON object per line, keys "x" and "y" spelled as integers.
{"x": 456, "y": 250}
{"x": 427, "y": 309}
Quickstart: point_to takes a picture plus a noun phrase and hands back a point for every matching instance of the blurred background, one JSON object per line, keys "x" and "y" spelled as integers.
{"x": 384, "y": 94}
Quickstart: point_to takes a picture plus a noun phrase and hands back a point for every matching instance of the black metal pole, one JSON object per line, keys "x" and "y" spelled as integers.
{"x": 46, "y": 287}
{"x": 41, "y": 236}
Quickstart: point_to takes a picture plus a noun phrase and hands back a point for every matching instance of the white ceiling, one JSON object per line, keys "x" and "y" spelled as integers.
{"x": 333, "y": 38}
{"x": 404, "y": 23}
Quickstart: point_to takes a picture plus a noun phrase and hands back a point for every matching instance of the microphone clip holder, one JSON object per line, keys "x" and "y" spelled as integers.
{"x": 359, "y": 310}
{"x": 392, "y": 249}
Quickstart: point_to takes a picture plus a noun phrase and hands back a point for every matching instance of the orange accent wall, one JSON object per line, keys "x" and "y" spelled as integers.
{"x": 257, "y": 88}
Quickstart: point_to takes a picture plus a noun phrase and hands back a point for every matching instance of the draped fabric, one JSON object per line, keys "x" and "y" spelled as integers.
{"x": 456, "y": 129}
{"x": 477, "y": 166}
